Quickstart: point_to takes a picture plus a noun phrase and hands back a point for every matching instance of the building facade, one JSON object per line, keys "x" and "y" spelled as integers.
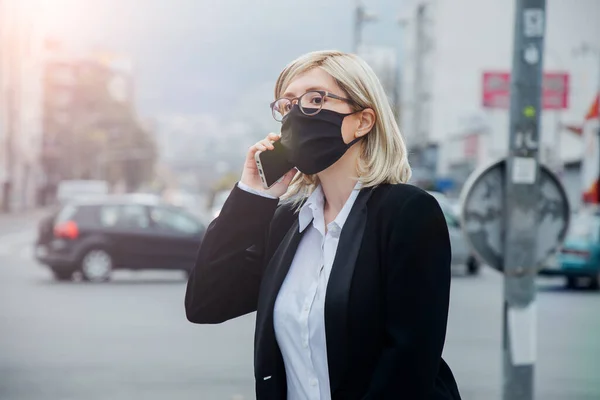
{"x": 448, "y": 48}
{"x": 21, "y": 58}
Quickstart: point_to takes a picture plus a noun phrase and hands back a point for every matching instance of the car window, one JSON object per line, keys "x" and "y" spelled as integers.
{"x": 67, "y": 213}
{"x": 124, "y": 216}
{"x": 175, "y": 220}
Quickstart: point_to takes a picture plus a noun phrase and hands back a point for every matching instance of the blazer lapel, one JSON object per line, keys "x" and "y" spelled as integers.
{"x": 278, "y": 268}
{"x": 268, "y": 359}
{"x": 338, "y": 289}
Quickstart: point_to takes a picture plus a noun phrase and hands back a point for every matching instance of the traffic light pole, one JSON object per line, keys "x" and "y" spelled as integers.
{"x": 520, "y": 206}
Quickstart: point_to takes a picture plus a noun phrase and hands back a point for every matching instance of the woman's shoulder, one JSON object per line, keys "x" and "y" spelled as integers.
{"x": 394, "y": 197}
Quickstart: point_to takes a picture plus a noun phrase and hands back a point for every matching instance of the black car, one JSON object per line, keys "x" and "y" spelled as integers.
{"x": 95, "y": 237}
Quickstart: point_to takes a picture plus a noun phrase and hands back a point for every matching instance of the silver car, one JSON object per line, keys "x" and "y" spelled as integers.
{"x": 462, "y": 256}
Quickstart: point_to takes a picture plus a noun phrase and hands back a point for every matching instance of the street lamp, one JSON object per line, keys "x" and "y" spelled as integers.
{"x": 360, "y": 17}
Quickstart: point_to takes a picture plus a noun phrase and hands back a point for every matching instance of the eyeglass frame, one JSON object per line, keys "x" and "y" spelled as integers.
{"x": 323, "y": 93}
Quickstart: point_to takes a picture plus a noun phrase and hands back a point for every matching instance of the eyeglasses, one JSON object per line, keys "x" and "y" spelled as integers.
{"x": 310, "y": 103}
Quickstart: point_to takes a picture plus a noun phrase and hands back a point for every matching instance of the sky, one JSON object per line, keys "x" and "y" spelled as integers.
{"x": 213, "y": 57}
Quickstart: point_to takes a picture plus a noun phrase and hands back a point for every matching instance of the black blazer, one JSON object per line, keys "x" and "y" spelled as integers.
{"x": 386, "y": 305}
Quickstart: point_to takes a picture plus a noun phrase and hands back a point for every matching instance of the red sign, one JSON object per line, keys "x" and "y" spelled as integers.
{"x": 555, "y": 90}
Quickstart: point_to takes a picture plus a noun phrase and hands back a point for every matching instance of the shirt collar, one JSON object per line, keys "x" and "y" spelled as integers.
{"x": 313, "y": 208}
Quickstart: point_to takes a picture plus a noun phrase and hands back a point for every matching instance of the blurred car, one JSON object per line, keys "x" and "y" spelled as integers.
{"x": 461, "y": 252}
{"x": 218, "y": 201}
{"x": 137, "y": 232}
{"x": 578, "y": 260}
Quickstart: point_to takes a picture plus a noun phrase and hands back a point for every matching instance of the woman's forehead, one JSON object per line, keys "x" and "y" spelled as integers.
{"x": 313, "y": 79}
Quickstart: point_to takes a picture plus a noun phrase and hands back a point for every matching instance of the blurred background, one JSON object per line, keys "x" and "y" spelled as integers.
{"x": 128, "y": 121}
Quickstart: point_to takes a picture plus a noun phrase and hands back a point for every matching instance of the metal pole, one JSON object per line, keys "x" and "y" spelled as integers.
{"x": 418, "y": 92}
{"x": 522, "y": 194}
{"x": 358, "y": 21}
{"x": 400, "y": 65}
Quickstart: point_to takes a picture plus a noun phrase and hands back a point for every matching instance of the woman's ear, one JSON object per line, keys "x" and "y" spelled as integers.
{"x": 366, "y": 121}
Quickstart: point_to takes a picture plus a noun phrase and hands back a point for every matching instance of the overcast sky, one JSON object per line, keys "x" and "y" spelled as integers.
{"x": 216, "y": 57}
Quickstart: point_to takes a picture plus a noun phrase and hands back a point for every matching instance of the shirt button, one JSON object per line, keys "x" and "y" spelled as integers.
{"x": 313, "y": 382}
{"x": 306, "y": 308}
{"x": 305, "y": 343}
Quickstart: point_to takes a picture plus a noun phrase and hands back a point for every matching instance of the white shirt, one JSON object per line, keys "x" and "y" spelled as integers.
{"x": 299, "y": 314}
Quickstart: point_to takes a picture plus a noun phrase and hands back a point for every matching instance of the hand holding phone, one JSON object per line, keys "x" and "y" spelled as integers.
{"x": 269, "y": 165}
{"x": 272, "y": 164}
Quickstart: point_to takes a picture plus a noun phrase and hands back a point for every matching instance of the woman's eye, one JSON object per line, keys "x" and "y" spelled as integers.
{"x": 317, "y": 100}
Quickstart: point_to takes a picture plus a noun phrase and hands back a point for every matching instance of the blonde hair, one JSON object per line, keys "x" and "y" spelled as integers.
{"x": 383, "y": 157}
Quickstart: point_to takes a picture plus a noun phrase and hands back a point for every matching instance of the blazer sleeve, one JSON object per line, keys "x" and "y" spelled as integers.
{"x": 225, "y": 281}
{"x": 417, "y": 294}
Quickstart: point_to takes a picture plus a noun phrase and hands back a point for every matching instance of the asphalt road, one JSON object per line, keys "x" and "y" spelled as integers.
{"x": 129, "y": 339}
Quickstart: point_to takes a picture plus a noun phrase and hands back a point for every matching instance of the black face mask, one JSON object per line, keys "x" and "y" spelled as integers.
{"x": 314, "y": 143}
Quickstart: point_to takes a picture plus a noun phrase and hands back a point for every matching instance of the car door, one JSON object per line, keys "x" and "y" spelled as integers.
{"x": 180, "y": 235}
{"x": 129, "y": 230}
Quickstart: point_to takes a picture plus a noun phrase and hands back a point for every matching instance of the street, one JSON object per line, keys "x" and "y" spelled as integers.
{"x": 129, "y": 339}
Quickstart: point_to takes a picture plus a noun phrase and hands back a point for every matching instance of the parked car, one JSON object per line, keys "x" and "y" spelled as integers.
{"x": 578, "y": 260}
{"x": 95, "y": 237}
{"x": 461, "y": 252}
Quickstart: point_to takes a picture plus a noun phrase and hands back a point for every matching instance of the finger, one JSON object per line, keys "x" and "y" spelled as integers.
{"x": 273, "y": 136}
{"x": 267, "y": 143}
{"x": 252, "y": 151}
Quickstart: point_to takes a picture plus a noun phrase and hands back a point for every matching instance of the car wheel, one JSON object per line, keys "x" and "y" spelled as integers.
{"x": 61, "y": 275}
{"x": 96, "y": 265}
{"x": 472, "y": 267}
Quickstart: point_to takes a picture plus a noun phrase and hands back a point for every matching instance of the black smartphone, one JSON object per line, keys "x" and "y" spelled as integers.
{"x": 272, "y": 164}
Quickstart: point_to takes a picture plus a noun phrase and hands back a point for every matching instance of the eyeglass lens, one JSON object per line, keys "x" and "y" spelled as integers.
{"x": 310, "y": 103}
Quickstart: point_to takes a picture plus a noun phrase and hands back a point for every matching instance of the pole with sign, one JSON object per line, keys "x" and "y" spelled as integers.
{"x": 515, "y": 211}
{"x": 521, "y": 199}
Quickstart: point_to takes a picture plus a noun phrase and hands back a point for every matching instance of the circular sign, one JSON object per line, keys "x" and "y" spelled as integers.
{"x": 482, "y": 202}
{"x": 531, "y": 54}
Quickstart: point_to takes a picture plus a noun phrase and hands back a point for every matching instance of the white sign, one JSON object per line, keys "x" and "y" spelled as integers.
{"x": 533, "y": 20}
{"x": 524, "y": 170}
{"x": 522, "y": 326}
{"x": 531, "y": 54}
{"x": 525, "y": 140}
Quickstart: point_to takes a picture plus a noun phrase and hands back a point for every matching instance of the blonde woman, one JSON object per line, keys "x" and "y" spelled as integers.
{"x": 347, "y": 266}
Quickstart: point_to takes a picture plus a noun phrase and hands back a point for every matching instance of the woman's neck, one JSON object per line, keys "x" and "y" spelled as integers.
{"x": 337, "y": 183}
{"x": 336, "y": 192}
